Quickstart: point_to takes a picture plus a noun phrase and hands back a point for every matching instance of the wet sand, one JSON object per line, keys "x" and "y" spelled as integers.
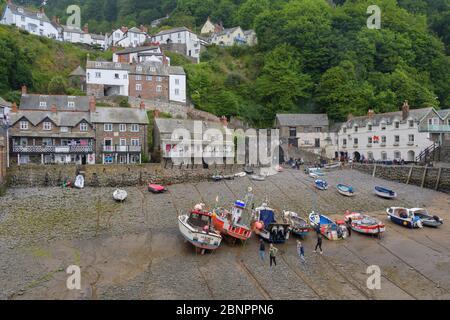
{"x": 135, "y": 251}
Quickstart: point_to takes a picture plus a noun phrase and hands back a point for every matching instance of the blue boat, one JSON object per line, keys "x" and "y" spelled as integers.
{"x": 327, "y": 227}
{"x": 345, "y": 190}
{"x": 404, "y": 217}
{"x": 385, "y": 193}
{"x": 299, "y": 226}
{"x": 270, "y": 231}
{"x": 321, "y": 184}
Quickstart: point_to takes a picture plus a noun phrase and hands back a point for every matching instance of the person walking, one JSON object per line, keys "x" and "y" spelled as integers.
{"x": 349, "y": 227}
{"x": 319, "y": 244}
{"x": 262, "y": 250}
{"x": 301, "y": 251}
{"x": 273, "y": 255}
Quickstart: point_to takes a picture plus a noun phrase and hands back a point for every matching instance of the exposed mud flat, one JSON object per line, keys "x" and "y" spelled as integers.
{"x": 134, "y": 250}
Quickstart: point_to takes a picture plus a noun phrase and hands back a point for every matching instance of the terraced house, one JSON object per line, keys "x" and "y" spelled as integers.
{"x": 4, "y": 110}
{"x": 52, "y": 130}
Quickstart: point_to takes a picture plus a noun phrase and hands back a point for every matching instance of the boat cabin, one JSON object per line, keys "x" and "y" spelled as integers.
{"x": 200, "y": 220}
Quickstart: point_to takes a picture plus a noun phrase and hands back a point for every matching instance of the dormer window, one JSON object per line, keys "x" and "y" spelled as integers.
{"x": 411, "y": 123}
{"x": 152, "y": 69}
{"x": 43, "y": 104}
{"x": 383, "y": 126}
{"x": 369, "y": 127}
{"x": 98, "y": 64}
{"x": 344, "y": 130}
{"x": 396, "y": 125}
{"x": 23, "y": 125}
{"x": 47, "y": 126}
{"x": 118, "y": 65}
{"x": 71, "y": 104}
{"x": 356, "y": 128}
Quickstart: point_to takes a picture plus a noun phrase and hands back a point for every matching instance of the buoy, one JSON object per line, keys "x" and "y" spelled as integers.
{"x": 258, "y": 225}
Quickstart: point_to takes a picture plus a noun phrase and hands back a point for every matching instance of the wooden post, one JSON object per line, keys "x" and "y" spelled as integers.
{"x": 438, "y": 179}
{"x": 374, "y": 170}
{"x": 424, "y": 175}
{"x": 409, "y": 174}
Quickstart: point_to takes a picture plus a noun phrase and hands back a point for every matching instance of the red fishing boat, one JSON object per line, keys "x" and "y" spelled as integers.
{"x": 237, "y": 222}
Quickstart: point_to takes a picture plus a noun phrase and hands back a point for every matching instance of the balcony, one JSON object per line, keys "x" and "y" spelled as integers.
{"x": 122, "y": 149}
{"x": 53, "y": 149}
{"x": 434, "y": 128}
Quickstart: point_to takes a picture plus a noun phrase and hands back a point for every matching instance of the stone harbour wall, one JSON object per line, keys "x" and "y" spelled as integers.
{"x": 426, "y": 177}
{"x": 113, "y": 175}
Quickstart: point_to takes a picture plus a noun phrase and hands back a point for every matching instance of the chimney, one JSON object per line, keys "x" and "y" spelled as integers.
{"x": 86, "y": 28}
{"x": 349, "y": 117}
{"x": 224, "y": 121}
{"x": 54, "y": 20}
{"x": 53, "y": 108}
{"x": 92, "y": 104}
{"x": 24, "y": 90}
{"x": 143, "y": 28}
{"x": 142, "y": 105}
{"x": 156, "y": 113}
{"x": 58, "y": 21}
{"x": 370, "y": 113}
{"x": 14, "y": 107}
{"x": 41, "y": 9}
{"x": 405, "y": 110}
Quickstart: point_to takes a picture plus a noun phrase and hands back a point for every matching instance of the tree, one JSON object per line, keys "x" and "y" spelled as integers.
{"x": 57, "y": 85}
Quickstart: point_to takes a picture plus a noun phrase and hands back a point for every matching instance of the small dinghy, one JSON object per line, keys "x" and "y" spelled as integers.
{"x": 309, "y": 170}
{"x": 347, "y": 191}
{"x": 321, "y": 184}
{"x": 258, "y": 177}
{"x": 248, "y": 170}
{"x": 198, "y": 229}
{"x": 229, "y": 177}
{"x": 327, "y": 227}
{"x": 364, "y": 224}
{"x": 404, "y": 217}
{"x": 120, "y": 195}
{"x": 385, "y": 193}
{"x": 217, "y": 177}
{"x": 298, "y": 225}
{"x": 316, "y": 174}
{"x": 332, "y": 165}
{"x": 279, "y": 168}
{"x": 240, "y": 174}
{"x": 427, "y": 219}
{"x": 156, "y": 188}
{"x": 267, "y": 227}
{"x": 79, "y": 182}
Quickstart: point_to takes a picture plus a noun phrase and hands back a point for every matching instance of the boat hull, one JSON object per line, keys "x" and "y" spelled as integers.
{"x": 199, "y": 239}
{"x": 328, "y": 228}
{"x": 239, "y": 232}
{"x": 385, "y": 193}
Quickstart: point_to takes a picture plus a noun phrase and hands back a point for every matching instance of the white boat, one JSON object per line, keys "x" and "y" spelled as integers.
{"x": 385, "y": 193}
{"x": 79, "y": 182}
{"x": 345, "y": 190}
{"x": 427, "y": 219}
{"x": 327, "y": 227}
{"x": 316, "y": 174}
{"x": 120, "y": 195}
{"x": 240, "y": 174}
{"x": 258, "y": 177}
{"x": 404, "y": 217}
{"x": 198, "y": 229}
{"x": 332, "y": 165}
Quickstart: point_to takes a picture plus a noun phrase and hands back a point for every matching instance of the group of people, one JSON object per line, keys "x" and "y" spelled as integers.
{"x": 296, "y": 163}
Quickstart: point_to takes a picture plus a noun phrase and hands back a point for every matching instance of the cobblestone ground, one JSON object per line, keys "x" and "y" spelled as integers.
{"x": 135, "y": 251}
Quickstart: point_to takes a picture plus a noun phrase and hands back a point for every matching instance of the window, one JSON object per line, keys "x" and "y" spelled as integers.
{"x": 116, "y": 76}
{"x": 369, "y": 140}
{"x": 118, "y": 65}
{"x": 396, "y": 124}
{"x": 47, "y": 142}
{"x": 47, "y": 126}
{"x": 152, "y": 69}
{"x": 433, "y": 121}
{"x": 383, "y": 139}
{"x": 159, "y": 79}
{"x": 23, "y": 125}
{"x": 22, "y": 18}
{"x": 411, "y": 138}
{"x": 149, "y": 78}
{"x": 384, "y": 156}
{"x": 122, "y": 127}
{"x": 355, "y": 141}
{"x": 293, "y": 132}
{"x": 411, "y": 123}
{"x": 356, "y": 128}
{"x": 138, "y": 87}
{"x": 98, "y": 64}
{"x": 108, "y": 127}
{"x": 71, "y": 104}
{"x": 135, "y": 142}
{"x": 83, "y": 127}
{"x": 370, "y": 156}
{"x": 125, "y": 76}
{"x": 383, "y": 126}
{"x": 139, "y": 68}
{"x": 64, "y": 129}
{"x": 397, "y": 155}
{"x": 177, "y": 81}
{"x": 98, "y": 74}
{"x": 396, "y": 140}
{"x": 317, "y": 143}
{"x": 134, "y": 128}
{"x": 158, "y": 89}
{"x": 344, "y": 130}
{"x": 43, "y": 104}
{"x": 318, "y": 129}
{"x": 177, "y": 92}
{"x": 344, "y": 142}
{"x": 138, "y": 77}
{"x": 123, "y": 142}
{"x": 369, "y": 127}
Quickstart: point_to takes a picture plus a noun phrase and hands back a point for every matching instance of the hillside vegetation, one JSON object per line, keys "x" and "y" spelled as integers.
{"x": 312, "y": 56}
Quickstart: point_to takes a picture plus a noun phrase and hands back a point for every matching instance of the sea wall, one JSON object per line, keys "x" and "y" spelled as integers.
{"x": 426, "y": 177}
{"x": 113, "y": 175}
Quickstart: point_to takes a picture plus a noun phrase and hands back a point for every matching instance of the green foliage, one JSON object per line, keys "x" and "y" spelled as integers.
{"x": 57, "y": 85}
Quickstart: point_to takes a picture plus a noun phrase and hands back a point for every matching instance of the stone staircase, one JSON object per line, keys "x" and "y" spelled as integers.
{"x": 298, "y": 153}
{"x": 436, "y": 153}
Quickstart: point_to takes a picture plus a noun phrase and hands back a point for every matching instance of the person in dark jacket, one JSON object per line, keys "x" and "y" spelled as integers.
{"x": 319, "y": 244}
{"x": 262, "y": 250}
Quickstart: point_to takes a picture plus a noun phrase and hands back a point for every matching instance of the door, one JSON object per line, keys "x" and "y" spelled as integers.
{"x": 83, "y": 159}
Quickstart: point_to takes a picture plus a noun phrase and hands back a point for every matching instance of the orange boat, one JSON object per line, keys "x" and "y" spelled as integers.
{"x": 237, "y": 223}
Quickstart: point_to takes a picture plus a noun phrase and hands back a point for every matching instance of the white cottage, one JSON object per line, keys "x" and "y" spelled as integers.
{"x": 180, "y": 36}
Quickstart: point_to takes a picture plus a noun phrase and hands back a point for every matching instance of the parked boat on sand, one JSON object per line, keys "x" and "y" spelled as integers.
{"x": 385, "y": 193}
{"x": 298, "y": 225}
{"x": 156, "y": 188}
{"x": 267, "y": 227}
{"x": 327, "y": 227}
{"x": 321, "y": 184}
{"x": 79, "y": 182}
{"x": 427, "y": 219}
{"x": 345, "y": 190}
{"x": 120, "y": 195}
{"x": 364, "y": 224}
{"x": 404, "y": 217}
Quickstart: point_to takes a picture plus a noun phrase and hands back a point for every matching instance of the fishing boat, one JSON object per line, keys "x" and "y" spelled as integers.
{"x": 404, "y": 217}
{"x": 332, "y": 165}
{"x": 327, "y": 227}
{"x": 198, "y": 229}
{"x": 156, "y": 188}
{"x": 267, "y": 227}
{"x": 364, "y": 224}
{"x": 120, "y": 195}
{"x": 258, "y": 177}
{"x": 309, "y": 170}
{"x": 385, "y": 193}
{"x": 345, "y": 190}
{"x": 298, "y": 225}
{"x": 321, "y": 184}
{"x": 79, "y": 182}
{"x": 427, "y": 219}
{"x": 237, "y": 222}
{"x": 217, "y": 177}
{"x": 248, "y": 170}
{"x": 240, "y": 174}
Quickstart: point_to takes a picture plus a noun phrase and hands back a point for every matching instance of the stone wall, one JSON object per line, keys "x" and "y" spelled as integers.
{"x": 113, "y": 175}
{"x": 174, "y": 109}
{"x": 431, "y": 178}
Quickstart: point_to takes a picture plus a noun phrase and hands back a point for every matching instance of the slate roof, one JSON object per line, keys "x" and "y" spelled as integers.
{"x": 442, "y": 113}
{"x": 302, "y": 119}
{"x": 27, "y": 12}
{"x": 173, "y": 30}
{"x": 32, "y": 102}
{"x": 4, "y": 103}
{"x": 136, "y": 30}
{"x": 97, "y": 36}
{"x": 78, "y": 72}
{"x": 72, "y": 29}
{"x": 167, "y": 126}
{"x": 146, "y": 68}
{"x": 176, "y": 70}
{"x": 119, "y": 115}
{"x": 388, "y": 118}
{"x": 136, "y": 49}
{"x": 60, "y": 119}
{"x": 107, "y": 65}
{"x": 226, "y": 31}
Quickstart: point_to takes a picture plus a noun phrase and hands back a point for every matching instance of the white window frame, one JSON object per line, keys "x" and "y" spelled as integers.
{"x": 47, "y": 126}
{"x": 135, "y": 142}
{"x": 23, "y": 125}
{"x": 134, "y": 128}
{"x": 64, "y": 129}
{"x": 43, "y": 104}
{"x": 108, "y": 127}
{"x": 83, "y": 127}
{"x": 138, "y": 87}
{"x": 158, "y": 88}
{"x": 122, "y": 127}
